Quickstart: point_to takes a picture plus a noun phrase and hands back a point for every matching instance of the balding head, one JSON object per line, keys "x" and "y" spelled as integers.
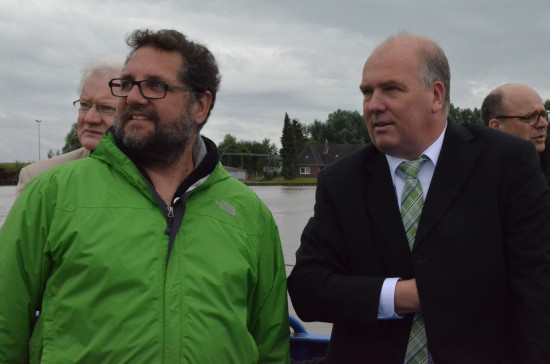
{"x": 508, "y": 107}
{"x": 433, "y": 63}
{"x": 404, "y": 103}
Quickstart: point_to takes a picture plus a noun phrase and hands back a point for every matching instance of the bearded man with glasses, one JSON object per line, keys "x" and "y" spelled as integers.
{"x": 518, "y": 110}
{"x": 148, "y": 251}
{"x": 96, "y": 113}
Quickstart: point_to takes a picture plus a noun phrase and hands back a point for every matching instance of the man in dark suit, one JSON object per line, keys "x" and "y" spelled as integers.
{"x": 456, "y": 268}
{"x": 518, "y": 109}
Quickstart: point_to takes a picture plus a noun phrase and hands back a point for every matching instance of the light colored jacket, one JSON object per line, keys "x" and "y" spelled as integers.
{"x": 32, "y": 170}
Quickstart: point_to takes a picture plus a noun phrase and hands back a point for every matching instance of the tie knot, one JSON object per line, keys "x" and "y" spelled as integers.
{"x": 411, "y": 168}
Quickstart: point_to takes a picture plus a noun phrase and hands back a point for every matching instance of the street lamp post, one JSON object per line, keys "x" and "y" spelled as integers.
{"x": 38, "y": 123}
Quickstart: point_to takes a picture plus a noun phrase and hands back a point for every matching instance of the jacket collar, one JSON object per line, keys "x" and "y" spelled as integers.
{"x": 455, "y": 164}
{"x": 205, "y": 155}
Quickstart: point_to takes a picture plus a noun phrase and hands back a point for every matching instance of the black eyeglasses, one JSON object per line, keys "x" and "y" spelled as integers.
{"x": 531, "y": 119}
{"x": 84, "y": 107}
{"x": 150, "y": 89}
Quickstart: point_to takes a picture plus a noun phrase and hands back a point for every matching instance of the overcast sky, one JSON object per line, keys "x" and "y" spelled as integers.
{"x": 300, "y": 57}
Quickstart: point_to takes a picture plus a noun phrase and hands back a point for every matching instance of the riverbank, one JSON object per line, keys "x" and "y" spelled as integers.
{"x": 9, "y": 173}
{"x": 281, "y": 181}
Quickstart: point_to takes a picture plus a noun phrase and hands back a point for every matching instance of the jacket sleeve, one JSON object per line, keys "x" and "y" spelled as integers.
{"x": 526, "y": 238}
{"x": 269, "y": 312}
{"x": 23, "y": 269}
{"x": 325, "y": 285}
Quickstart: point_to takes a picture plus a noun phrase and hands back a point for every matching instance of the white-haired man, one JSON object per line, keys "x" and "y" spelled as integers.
{"x": 96, "y": 113}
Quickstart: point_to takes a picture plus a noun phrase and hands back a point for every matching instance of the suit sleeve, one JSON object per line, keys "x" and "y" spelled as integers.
{"x": 323, "y": 285}
{"x": 527, "y": 245}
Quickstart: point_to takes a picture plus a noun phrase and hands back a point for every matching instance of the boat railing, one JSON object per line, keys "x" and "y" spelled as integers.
{"x": 304, "y": 345}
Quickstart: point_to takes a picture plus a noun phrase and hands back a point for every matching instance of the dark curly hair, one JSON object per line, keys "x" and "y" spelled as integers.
{"x": 200, "y": 69}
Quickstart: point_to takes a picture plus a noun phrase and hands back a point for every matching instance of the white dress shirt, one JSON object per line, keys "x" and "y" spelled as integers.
{"x": 386, "y": 308}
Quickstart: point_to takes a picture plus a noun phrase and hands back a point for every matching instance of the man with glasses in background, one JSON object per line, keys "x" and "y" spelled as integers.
{"x": 148, "y": 251}
{"x": 96, "y": 113}
{"x": 518, "y": 109}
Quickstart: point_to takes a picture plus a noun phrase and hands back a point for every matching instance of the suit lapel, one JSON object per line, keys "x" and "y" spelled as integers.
{"x": 455, "y": 163}
{"x": 381, "y": 203}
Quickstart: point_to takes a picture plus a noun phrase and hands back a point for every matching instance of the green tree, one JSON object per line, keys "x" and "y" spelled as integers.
{"x": 230, "y": 145}
{"x": 464, "y": 116}
{"x": 228, "y": 142}
{"x": 258, "y": 163}
{"x": 547, "y": 104}
{"x": 300, "y": 136}
{"x": 71, "y": 140}
{"x": 318, "y": 132}
{"x": 51, "y": 153}
{"x": 341, "y": 127}
{"x": 252, "y": 163}
{"x": 263, "y": 163}
{"x": 288, "y": 150}
{"x": 293, "y": 141}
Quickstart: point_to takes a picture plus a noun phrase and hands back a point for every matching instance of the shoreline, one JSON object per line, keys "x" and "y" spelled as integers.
{"x": 279, "y": 184}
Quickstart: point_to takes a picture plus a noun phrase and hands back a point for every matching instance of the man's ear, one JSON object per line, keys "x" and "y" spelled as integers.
{"x": 495, "y": 123}
{"x": 201, "y": 107}
{"x": 438, "y": 92}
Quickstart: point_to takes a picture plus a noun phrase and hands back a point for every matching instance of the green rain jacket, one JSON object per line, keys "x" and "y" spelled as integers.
{"x": 120, "y": 278}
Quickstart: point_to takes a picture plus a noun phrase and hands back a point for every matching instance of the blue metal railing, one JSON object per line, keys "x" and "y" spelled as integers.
{"x": 304, "y": 345}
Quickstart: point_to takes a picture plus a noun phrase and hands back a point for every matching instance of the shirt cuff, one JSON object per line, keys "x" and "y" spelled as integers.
{"x": 386, "y": 308}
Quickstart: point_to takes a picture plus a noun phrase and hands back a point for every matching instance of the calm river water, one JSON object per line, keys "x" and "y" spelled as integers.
{"x": 291, "y": 208}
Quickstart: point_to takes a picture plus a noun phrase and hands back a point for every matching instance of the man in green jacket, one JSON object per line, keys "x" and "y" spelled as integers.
{"x": 148, "y": 251}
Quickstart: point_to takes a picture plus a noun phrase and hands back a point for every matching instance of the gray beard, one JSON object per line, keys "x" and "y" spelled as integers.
{"x": 164, "y": 147}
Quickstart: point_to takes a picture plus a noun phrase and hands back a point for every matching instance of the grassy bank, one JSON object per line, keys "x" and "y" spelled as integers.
{"x": 279, "y": 181}
{"x": 9, "y": 173}
{"x": 12, "y": 167}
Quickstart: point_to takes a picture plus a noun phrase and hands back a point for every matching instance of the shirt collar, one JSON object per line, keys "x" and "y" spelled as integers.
{"x": 432, "y": 152}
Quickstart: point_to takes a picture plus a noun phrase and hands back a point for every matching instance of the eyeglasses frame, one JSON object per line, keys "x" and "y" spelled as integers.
{"x": 100, "y": 110}
{"x": 525, "y": 118}
{"x": 138, "y": 84}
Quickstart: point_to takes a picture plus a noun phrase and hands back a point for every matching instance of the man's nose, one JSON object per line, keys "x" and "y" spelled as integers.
{"x": 93, "y": 116}
{"x": 135, "y": 96}
{"x": 376, "y": 102}
{"x": 541, "y": 122}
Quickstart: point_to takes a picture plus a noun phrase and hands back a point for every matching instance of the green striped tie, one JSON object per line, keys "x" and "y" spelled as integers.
{"x": 412, "y": 202}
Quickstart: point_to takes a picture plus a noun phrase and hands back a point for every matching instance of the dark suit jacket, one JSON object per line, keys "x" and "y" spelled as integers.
{"x": 545, "y": 161}
{"x": 481, "y": 256}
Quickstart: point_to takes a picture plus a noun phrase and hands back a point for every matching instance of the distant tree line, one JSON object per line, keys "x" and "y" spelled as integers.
{"x": 341, "y": 127}
{"x": 345, "y": 127}
{"x": 230, "y": 145}
{"x": 464, "y": 116}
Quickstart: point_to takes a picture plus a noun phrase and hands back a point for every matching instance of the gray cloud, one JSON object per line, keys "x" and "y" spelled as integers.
{"x": 300, "y": 57}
